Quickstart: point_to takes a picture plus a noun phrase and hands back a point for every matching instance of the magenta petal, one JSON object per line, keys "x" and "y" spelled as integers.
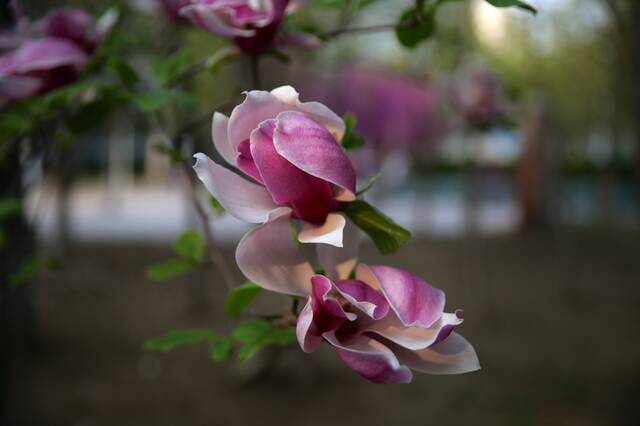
{"x": 364, "y": 298}
{"x": 245, "y": 162}
{"x": 310, "y": 147}
{"x": 413, "y": 300}
{"x": 70, "y": 24}
{"x": 214, "y": 20}
{"x": 321, "y": 314}
{"x": 311, "y": 198}
{"x": 47, "y": 53}
{"x": 372, "y": 360}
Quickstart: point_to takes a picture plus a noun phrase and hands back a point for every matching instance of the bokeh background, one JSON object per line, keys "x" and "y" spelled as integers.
{"x": 509, "y": 144}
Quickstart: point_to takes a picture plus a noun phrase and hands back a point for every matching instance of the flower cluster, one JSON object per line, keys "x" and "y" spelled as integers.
{"x": 253, "y": 25}
{"x": 48, "y": 53}
{"x": 383, "y": 322}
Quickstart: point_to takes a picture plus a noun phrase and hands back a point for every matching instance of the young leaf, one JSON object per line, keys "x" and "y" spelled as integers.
{"x": 217, "y": 208}
{"x": 153, "y": 100}
{"x": 513, "y": 3}
{"x": 369, "y": 184}
{"x": 239, "y": 298}
{"x": 177, "y": 338}
{"x": 351, "y": 140}
{"x": 28, "y": 269}
{"x": 9, "y": 207}
{"x": 174, "y": 154}
{"x": 124, "y": 71}
{"x": 190, "y": 246}
{"x": 281, "y": 336}
{"x": 168, "y": 269}
{"x": 221, "y": 347}
{"x": 387, "y": 235}
{"x": 221, "y": 56}
{"x": 257, "y": 333}
{"x": 415, "y": 27}
{"x": 169, "y": 69}
{"x": 251, "y": 331}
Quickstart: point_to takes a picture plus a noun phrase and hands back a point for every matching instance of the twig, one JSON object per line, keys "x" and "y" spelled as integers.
{"x": 216, "y": 256}
{"x": 363, "y": 30}
{"x": 254, "y": 67}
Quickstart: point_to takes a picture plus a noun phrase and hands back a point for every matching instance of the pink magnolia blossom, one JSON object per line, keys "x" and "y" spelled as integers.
{"x": 49, "y": 53}
{"x": 252, "y": 24}
{"x": 384, "y": 324}
{"x": 290, "y": 151}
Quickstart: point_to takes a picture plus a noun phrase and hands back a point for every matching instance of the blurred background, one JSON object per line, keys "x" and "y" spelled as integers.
{"x": 509, "y": 144}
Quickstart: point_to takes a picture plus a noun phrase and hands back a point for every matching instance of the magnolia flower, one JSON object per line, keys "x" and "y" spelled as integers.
{"x": 383, "y": 324}
{"x": 290, "y": 150}
{"x": 253, "y": 24}
{"x": 51, "y": 52}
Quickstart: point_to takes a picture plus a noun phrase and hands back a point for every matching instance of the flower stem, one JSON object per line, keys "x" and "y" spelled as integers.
{"x": 254, "y": 67}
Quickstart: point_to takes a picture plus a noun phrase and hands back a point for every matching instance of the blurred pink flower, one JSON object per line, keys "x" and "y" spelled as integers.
{"x": 477, "y": 95}
{"x": 252, "y": 24}
{"x": 49, "y": 53}
{"x": 394, "y": 111}
{"x": 383, "y": 324}
{"x": 290, "y": 150}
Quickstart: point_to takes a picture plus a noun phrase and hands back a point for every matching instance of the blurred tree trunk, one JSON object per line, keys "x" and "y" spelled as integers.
{"x": 625, "y": 18}
{"x": 16, "y": 313}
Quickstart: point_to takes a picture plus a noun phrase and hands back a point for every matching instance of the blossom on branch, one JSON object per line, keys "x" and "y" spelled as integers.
{"x": 252, "y": 24}
{"x": 384, "y": 323}
{"x": 290, "y": 151}
{"x": 50, "y": 52}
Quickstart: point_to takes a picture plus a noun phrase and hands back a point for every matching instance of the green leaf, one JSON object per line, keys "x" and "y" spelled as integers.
{"x": 294, "y": 235}
{"x": 255, "y": 334}
{"x": 124, "y": 71}
{"x": 281, "y": 336}
{"x": 177, "y": 338}
{"x": 168, "y": 269}
{"x": 239, "y": 298}
{"x": 28, "y": 269}
{"x": 174, "y": 154}
{"x": 9, "y": 207}
{"x": 415, "y": 27}
{"x": 217, "y": 208}
{"x": 251, "y": 331}
{"x": 221, "y": 347}
{"x": 169, "y": 69}
{"x": 225, "y": 54}
{"x": 155, "y": 99}
{"x": 351, "y": 140}
{"x": 369, "y": 184}
{"x": 385, "y": 233}
{"x": 513, "y": 3}
{"x": 190, "y": 246}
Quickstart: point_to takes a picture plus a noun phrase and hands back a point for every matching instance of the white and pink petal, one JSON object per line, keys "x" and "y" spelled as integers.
{"x": 454, "y": 355}
{"x": 267, "y": 256}
{"x": 242, "y": 199}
